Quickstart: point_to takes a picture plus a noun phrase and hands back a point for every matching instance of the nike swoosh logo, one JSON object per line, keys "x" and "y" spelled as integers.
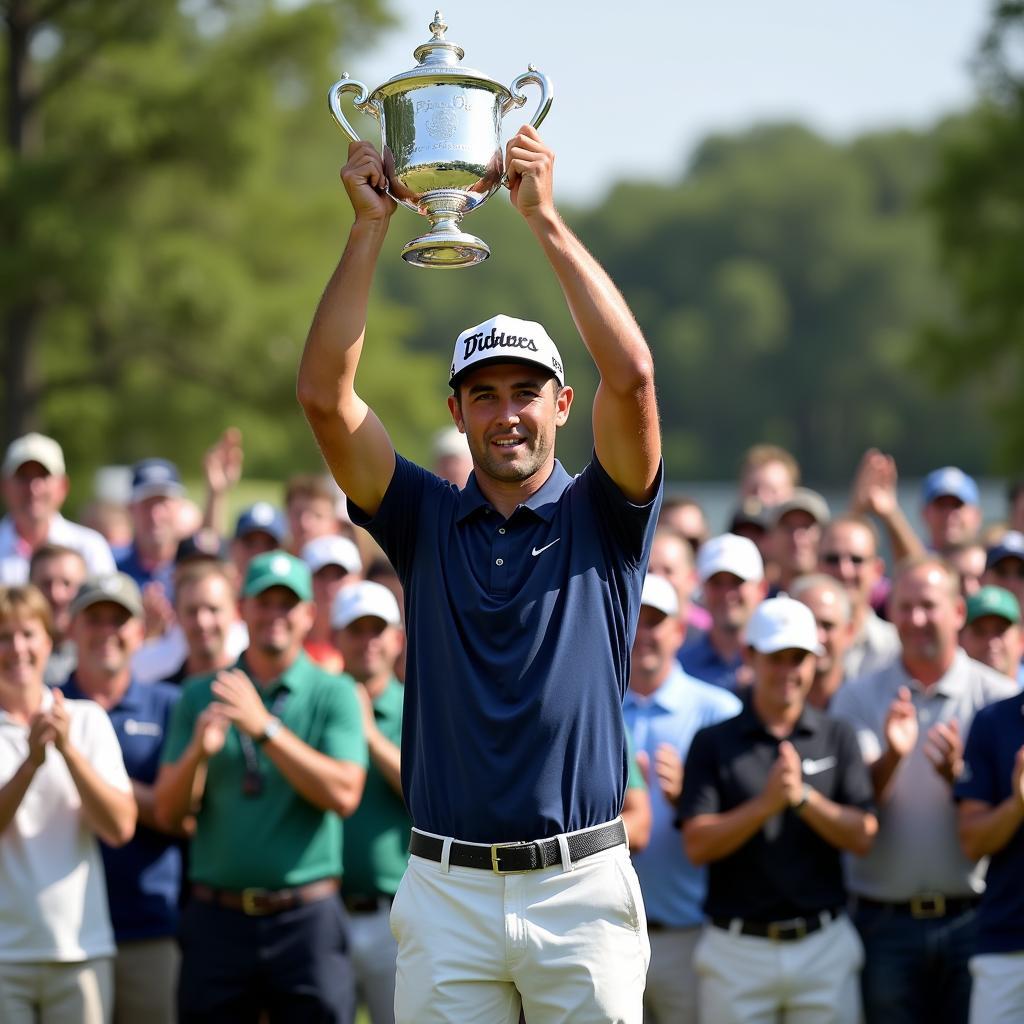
{"x": 540, "y": 551}
{"x": 814, "y": 767}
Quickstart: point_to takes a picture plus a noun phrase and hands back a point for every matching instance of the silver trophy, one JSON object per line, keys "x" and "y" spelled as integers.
{"x": 440, "y": 126}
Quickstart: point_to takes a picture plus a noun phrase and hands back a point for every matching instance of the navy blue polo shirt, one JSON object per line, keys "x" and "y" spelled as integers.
{"x": 129, "y": 563}
{"x": 518, "y": 655}
{"x": 700, "y": 660}
{"x": 997, "y": 733}
{"x": 144, "y": 875}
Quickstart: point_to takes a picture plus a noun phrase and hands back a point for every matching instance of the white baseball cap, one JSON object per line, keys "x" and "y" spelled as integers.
{"x": 34, "y": 448}
{"x": 361, "y": 599}
{"x": 659, "y": 594}
{"x": 730, "y": 553}
{"x": 332, "y": 550}
{"x": 506, "y": 339}
{"x": 780, "y": 623}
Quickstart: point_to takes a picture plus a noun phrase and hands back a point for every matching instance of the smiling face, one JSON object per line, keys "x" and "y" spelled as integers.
{"x": 509, "y": 413}
{"x": 106, "y": 636}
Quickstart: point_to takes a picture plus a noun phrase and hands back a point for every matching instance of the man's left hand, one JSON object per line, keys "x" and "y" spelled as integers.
{"x": 240, "y": 701}
{"x": 944, "y": 748}
{"x": 530, "y": 168}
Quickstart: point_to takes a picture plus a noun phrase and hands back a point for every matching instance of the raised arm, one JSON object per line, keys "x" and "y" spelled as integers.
{"x": 354, "y": 442}
{"x": 627, "y": 436}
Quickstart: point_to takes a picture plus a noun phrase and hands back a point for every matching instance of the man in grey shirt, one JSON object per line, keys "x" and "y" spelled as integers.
{"x": 915, "y": 892}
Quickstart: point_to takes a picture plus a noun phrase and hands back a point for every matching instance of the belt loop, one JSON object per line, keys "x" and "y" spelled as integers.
{"x": 563, "y": 849}
{"x": 736, "y": 926}
{"x": 446, "y": 852}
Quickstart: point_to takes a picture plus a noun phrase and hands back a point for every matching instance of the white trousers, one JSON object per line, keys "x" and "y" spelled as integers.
{"x": 744, "y": 979}
{"x": 997, "y": 991}
{"x": 565, "y": 945}
{"x": 372, "y": 948}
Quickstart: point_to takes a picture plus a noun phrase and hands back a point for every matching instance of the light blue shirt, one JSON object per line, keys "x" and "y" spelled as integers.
{"x": 673, "y": 888}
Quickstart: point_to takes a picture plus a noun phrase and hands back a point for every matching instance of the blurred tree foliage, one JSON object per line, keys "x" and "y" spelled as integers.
{"x": 170, "y": 212}
{"x": 978, "y": 200}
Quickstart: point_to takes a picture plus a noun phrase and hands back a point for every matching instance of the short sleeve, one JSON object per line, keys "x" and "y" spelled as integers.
{"x": 343, "y": 737}
{"x": 95, "y": 737}
{"x": 183, "y": 722}
{"x": 701, "y": 794}
{"x": 855, "y": 788}
{"x": 394, "y": 526}
{"x": 630, "y": 525}
{"x": 980, "y": 777}
{"x": 849, "y": 706}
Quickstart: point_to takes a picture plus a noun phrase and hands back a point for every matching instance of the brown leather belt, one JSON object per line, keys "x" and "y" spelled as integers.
{"x": 260, "y": 902}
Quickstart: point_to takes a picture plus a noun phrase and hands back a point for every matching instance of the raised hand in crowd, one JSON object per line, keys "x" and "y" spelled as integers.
{"x": 158, "y": 611}
{"x": 944, "y": 747}
{"x": 222, "y": 469}
{"x": 874, "y": 492}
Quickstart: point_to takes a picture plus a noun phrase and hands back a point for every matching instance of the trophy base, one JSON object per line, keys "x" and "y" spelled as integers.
{"x": 445, "y": 250}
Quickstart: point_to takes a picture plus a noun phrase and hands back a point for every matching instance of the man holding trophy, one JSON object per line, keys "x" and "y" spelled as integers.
{"x": 522, "y": 594}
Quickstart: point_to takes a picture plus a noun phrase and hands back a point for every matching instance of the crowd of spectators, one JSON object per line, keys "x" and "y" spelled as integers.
{"x": 201, "y": 815}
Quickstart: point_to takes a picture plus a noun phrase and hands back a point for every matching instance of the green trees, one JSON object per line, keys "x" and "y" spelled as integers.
{"x": 170, "y": 210}
{"x": 978, "y": 201}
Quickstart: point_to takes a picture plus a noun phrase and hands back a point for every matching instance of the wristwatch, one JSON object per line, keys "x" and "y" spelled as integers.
{"x": 805, "y": 792}
{"x": 270, "y": 730}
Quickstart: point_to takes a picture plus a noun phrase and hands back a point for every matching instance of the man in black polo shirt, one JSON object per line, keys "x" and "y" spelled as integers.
{"x": 770, "y": 800}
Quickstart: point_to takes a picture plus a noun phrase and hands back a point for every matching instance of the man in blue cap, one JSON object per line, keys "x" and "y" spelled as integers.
{"x": 155, "y": 499}
{"x": 950, "y": 507}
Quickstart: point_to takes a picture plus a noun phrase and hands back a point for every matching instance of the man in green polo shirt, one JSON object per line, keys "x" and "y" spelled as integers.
{"x": 268, "y": 755}
{"x": 367, "y": 629}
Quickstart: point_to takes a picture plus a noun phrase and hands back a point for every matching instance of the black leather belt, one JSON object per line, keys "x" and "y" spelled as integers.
{"x": 510, "y": 858}
{"x": 778, "y": 931}
{"x": 925, "y": 905}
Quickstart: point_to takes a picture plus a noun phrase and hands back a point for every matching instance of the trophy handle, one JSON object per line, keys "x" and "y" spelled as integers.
{"x": 334, "y": 94}
{"x": 517, "y": 99}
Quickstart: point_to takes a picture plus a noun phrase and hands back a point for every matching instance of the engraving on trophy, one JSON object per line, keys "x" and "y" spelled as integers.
{"x": 440, "y": 125}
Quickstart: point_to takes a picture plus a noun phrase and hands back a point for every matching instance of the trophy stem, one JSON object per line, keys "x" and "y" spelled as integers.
{"x": 446, "y": 246}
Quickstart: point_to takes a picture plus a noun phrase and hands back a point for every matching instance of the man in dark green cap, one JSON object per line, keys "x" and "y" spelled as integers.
{"x": 992, "y": 632}
{"x": 268, "y": 755}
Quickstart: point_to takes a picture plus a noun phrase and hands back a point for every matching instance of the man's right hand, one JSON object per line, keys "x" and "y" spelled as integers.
{"x": 365, "y": 181}
{"x": 901, "y": 724}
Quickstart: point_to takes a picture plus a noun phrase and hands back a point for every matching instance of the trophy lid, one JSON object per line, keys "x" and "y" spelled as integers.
{"x": 438, "y": 58}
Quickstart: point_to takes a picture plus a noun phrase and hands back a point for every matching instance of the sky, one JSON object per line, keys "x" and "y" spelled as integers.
{"x": 636, "y": 87}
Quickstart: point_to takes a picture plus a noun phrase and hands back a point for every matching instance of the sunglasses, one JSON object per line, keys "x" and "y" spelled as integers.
{"x": 831, "y": 558}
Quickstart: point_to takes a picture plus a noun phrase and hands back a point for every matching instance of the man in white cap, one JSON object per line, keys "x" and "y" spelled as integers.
{"x": 522, "y": 593}
{"x": 452, "y": 461}
{"x": 663, "y": 709}
{"x": 731, "y": 574}
{"x": 334, "y": 562}
{"x": 771, "y": 799}
{"x": 35, "y": 485}
{"x": 368, "y": 633}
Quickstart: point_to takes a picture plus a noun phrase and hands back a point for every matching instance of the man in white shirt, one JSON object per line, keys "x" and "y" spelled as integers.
{"x": 34, "y": 484}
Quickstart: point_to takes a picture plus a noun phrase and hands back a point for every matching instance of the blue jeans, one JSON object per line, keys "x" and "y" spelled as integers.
{"x": 915, "y": 969}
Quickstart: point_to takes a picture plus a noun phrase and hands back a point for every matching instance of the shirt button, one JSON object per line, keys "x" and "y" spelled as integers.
{"x": 499, "y": 561}
{"x": 501, "y": 529}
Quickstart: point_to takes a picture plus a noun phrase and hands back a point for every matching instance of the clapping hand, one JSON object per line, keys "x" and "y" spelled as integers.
{"x": 944, "y": 748}
{"x": 901, "y": 724}
{"x": 239, "y": 701}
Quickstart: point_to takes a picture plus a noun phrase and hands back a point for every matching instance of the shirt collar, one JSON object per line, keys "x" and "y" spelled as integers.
{"x": 670, "y": 696}
{"x": 293, "y": 678}
{"x": 541, "y": 503}
{"x": 808, "y": 723}
{"x": 948, "y": 685}
{"x": 131, "y": 699}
